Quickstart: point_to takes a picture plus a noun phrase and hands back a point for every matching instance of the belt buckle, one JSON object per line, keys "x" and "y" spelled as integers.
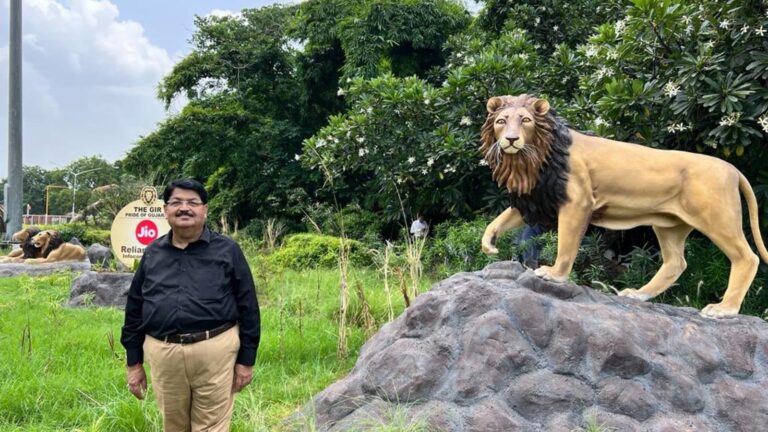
{"x": 185, "y": 338}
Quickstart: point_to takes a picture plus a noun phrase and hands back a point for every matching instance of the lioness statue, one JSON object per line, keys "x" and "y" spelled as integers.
{"x": 54, "y": 249}
{"x": 26, "y": 248}
{"x": 561, "y": 178}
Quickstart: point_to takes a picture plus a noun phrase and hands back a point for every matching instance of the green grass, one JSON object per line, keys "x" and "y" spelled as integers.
{"x": 71, "y": 377}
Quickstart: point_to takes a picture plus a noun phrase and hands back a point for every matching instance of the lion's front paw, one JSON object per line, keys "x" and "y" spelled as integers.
{"x": 719, "y": 310}
{"x": 635, "y": 294}
{"x": 548, "y": 273}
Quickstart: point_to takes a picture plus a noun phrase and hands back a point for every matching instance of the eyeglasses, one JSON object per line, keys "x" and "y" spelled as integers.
{"x": 174, "y": 203}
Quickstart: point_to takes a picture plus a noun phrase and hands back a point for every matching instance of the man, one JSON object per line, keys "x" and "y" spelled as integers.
{"x": 419, "y": 227}
{"x": 192, "y": 313}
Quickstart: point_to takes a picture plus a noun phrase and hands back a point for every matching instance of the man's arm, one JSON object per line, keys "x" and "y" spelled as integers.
{"x": 132, "y": 338}
{"x": 249, "y": 317}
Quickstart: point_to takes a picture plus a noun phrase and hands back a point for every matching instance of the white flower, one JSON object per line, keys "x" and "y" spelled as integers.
{"x": 465, "y": 121}
{"x": 427, "y": 101}
{"x": 320, "y": 143}
{"x": 523, "y": 56}
{"x": 430, "y": 161}
{"x": 730, "y": 119}
{"x": 671, "y": 128}
{"x": 760, "y": 31}
{"x": 445, "y": 83}
{"x": 400, "y": 180}
{"x": 724, "y": 24}
{"x": 360, "y": 139}
{"x": 671, "y": 89}
{"x": 591, "y": 51}
{"x": 744, "y": 29}
{"x": 411, "y": 160}
{"x": 483, "y": 162}
{"x": 556, "y": 28}
{"x": 296, "y": 157}
{"x": 689, "y": 29}
{"x": 612, "y": 54}
{"x": 763, "y": 121}
{"x": 424, "y": 171}
{"x": 604, "y": 72}
{"x": 620, "y": 26}
{"x": 536, "y": 21}
{"x": 709, "y": 45}
{"x": 681, "y": 127}
{"x": 341, "y": 92}
{"x": 687, "y": 20}
{"x": 459, "y": 55}
{"x": 362, "y": 152}
{"x": 600, "y": 122}
{"x": 369, "y": 110}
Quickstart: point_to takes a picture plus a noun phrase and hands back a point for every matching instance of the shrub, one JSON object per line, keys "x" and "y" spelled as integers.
{"x": 302, "y": 251}
{"x": 86, "y": 234}
{"x": 359, "y": 224}
{"x": 455, "y": 247}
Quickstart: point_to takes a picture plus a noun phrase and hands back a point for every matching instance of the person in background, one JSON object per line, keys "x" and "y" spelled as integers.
{"x": 192, "y": 314}
{"x": 419, "y": 227}
{"x": 531, "y": 249}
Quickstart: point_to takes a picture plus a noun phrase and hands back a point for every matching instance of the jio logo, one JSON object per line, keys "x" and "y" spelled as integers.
{"x": 146, "y": 231}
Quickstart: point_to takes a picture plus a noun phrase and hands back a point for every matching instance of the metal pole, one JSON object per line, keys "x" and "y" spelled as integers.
{"x": 13, "y": 199}
{"x": 74, "y": 189}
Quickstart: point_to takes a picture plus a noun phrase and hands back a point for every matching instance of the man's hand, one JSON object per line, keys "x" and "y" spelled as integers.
{"x": 137, "y": 380}
{"x": 243, "y": 376}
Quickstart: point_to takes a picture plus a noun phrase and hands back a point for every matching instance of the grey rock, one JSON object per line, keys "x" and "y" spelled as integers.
{"x": 99, "y": 254}
{"x": 108, "y": 289}
{"x": 502, "y": 350}
{"x": 44, "y": 269}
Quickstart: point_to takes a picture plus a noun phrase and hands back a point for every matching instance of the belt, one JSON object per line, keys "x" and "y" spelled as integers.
{"x": 190, "y": 338}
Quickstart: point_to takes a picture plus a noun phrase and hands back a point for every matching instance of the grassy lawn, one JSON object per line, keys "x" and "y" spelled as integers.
{"x": 63, "y": 369}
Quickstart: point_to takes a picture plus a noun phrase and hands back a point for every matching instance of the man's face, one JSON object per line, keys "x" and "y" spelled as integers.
{"x": 185, "y": 209}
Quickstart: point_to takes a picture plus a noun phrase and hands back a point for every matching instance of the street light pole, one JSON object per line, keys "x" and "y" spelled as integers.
{"x": 47, "y": 188}
{"x": 74, "y": 187}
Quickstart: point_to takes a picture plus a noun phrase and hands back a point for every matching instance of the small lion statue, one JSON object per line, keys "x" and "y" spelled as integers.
{"x": 54, "y": 249}
{"x": 26, "y": 250}
{"x": 564, "y": 179}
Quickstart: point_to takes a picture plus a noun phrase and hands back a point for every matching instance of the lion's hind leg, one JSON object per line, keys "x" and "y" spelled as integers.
{"x": 744, "y": 265}
{"x": 672, "y": 243}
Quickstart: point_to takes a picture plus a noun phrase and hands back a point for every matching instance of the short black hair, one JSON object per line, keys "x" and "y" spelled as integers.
{"x": 188, "y": 184}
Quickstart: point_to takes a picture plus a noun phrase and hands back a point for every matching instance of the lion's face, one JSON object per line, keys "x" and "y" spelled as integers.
{"x": 516, "y": 140}
{"x": 511, "y": 128}
{"x": 43, "y": 239}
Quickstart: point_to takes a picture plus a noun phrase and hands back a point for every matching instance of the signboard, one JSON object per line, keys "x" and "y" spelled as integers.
{"x": 137, "y": 225}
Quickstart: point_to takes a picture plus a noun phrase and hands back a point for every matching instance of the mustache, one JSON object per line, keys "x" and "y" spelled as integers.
{"x": 181, "y": 213}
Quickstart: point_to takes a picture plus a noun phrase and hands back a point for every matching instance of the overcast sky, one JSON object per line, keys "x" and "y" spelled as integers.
{"x": 91, "y": 69}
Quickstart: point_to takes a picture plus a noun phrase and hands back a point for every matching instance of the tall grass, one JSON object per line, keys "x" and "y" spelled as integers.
{"x": 67, "y": 372}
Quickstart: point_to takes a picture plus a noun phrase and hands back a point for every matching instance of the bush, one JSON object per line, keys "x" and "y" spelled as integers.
{"x": 455, "y": 247}
{"x": 302, "y": 251}
{"x": 86, "y": 234}
{"x": 359, "y": 224}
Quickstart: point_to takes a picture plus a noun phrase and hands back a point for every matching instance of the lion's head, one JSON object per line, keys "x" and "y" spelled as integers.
{"x": 25, "y": 238}
{"x": 47, "y": 241}
{"x": 517, "y": 139}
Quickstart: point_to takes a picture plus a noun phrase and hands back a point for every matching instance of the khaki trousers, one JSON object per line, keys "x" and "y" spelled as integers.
{"x": 193, "y": 383}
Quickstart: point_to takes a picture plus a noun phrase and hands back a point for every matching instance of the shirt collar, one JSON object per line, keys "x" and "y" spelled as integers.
{"x": 205, "y": 236}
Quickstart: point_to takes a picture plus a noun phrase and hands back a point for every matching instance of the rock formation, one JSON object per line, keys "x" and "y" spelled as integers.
{"x": 502, "y": 350}
{"x": 100, "y": 289}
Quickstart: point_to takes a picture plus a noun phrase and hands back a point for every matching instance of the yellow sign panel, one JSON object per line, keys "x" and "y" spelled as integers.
{"x": 136, "y": 226}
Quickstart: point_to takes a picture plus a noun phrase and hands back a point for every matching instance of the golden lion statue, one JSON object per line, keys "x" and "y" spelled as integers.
{"x": 54, "y": 249}
{"x": 26, "y": 248}
{"x": 561, "y": 178}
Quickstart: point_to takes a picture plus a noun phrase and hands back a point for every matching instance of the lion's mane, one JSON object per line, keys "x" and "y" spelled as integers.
{"x": 536, "y": 177}
{"x": 54, "y": 242}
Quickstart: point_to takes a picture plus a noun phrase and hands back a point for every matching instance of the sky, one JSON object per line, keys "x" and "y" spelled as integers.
{"x": 91, "y": 69}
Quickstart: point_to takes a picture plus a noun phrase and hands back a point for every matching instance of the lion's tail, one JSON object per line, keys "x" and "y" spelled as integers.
{"x": 749, "y": 197}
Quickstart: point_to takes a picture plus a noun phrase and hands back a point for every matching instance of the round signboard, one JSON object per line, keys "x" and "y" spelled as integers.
{"x": 137, "y": 225}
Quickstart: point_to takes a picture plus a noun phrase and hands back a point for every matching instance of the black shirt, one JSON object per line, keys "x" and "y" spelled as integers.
{"x": 190, "y": 290}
